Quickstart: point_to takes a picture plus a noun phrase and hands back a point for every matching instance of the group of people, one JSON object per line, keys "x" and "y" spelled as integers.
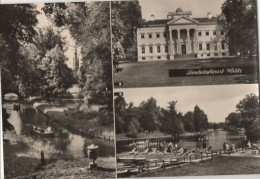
{"x": 229, "y": 148}
{"x": 168, "y": 147}
{"x": 43, "y": 128}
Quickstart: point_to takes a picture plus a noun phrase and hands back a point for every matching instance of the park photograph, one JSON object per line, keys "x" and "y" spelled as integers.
{"x": 57, "y": 95}
{"x": 187, "y": 131}
{"x": 184, "y": 43}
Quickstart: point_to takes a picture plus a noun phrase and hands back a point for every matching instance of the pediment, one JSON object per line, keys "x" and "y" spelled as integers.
{"x": 182, "y": 20}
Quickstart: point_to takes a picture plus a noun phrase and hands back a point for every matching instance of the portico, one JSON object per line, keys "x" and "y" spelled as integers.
{"x": 181, "y": 36}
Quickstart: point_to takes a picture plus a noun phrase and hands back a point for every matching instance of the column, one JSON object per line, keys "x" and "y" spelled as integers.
{"x": 178, "y": 41}
{"x": 188, "y": 42}
{"x": 196, "y": 41}
{"x": 170, "y": 45}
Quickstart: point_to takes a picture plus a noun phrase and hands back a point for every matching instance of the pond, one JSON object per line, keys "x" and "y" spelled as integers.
{"x": 214, "y": 138}
{"x": 63, "y": 139}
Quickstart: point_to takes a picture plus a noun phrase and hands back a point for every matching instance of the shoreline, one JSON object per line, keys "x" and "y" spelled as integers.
{"x": 89, "y": 133}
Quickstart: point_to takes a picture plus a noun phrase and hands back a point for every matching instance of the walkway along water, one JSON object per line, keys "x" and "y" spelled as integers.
{"x": 130, "y": 165}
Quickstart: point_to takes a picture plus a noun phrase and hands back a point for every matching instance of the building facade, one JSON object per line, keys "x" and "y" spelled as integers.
{"x": 181, "y": 36}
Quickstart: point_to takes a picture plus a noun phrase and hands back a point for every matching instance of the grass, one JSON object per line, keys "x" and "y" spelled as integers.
{"x": 16, "y": 166}
{"x": 217, "y": 166}
{"x": 152, "y": 74}
{"x": 28, "y": 166}
{"x": 76, "y": 169}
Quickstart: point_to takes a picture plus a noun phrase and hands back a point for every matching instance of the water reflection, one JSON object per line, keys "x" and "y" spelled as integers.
{"x": 63, "y": 140}
{"x": 214, "y": 138}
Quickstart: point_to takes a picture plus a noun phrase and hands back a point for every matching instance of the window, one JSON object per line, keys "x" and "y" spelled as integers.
{"x": 200, "y": 46}
{"x": 143, "y": 49}
{"x": 166, "y": 49}
{"x": 223, "y": 54}
{"x": 216, "y": 54}
{"x": 143, "y": 58}
{"x": 208, "y": 54}
{"x": 214, "y": 33}
{"x": 159, "y": 57}
{"x": 142, "y": 36}
{"x": 223, "y": 45}
{"x": 157, "y": 35}
{"x": 222, "y": 32}
{"x": 199, "y": 33}
{"x": 158, "y": 49}
{"x": 151, "y": 49}
{"x": 208, "y": 46}
{"x": 201, "y": 55}
{"x": 215, "y": 46}
{"x": 150, "y": 36}
{"x": 207, "y": 33}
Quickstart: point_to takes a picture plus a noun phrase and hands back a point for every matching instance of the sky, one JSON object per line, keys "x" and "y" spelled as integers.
{"x": 160, "y": 8}
{"x": 43, "y": 21}
{"x": 217, "y": 101}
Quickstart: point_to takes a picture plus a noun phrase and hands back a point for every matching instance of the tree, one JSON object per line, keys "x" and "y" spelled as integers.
{"x": 188, "y": 121}
{"x": 240, "y": 23}
{"x": 120, "y": 104}
{"x": 234, "y": 120}
{"x": 44, "y": 70}
{"x": 56, "y": 74}
{"x": 89, "y": 25}
{"x": 17, "y": 26}
{"x": 133, "y": 128}
{"x": 249, "y": 109}
{"x": 149, "y": 115}
{"x": 249, "y": 106}
{"x": 200, "y": 119}
{"x": 126, "y": 18}
{"x": 120, "y": 124}
{"x": 253, "y": 131}
{"x": 172, "y": 123}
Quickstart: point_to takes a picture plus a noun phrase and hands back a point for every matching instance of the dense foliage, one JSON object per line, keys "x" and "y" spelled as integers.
{"x": 240, "y": 22}
{"x": 17, "y": 27}
{"x": 126, "y": 18}
{"x": 247, "y": 116}
{"x": 148, "y": 116}
{"x": 89, "y": 24}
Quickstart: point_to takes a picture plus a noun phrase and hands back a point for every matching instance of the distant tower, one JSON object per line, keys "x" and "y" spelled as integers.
{"x": 75, "y": 62}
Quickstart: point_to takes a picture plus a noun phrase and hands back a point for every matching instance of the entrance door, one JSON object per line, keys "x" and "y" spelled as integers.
{"x": 183, "y": 48}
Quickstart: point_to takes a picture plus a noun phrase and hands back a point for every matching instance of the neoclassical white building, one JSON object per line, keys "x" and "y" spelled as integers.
{"x": 181, "y": 36}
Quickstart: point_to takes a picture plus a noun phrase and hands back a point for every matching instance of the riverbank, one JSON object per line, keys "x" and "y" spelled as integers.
{"x": 22, "y": 158}
{"x": 217, "y": 166}
{"x": 91, "y": 123}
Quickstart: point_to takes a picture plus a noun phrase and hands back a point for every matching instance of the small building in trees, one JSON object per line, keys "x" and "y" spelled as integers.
{"x": 181, "y": 36}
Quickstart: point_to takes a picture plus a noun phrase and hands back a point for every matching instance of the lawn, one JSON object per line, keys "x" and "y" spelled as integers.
{"x": 217, "y": 166}
{"x": 29, "y": 166}
{"x": 153, "y": 74}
